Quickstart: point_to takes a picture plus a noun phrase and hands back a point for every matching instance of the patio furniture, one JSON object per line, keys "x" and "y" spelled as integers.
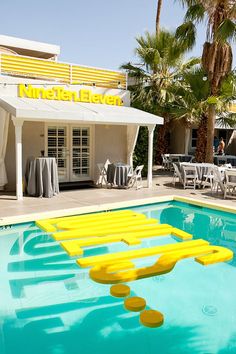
{"x": 190, "y": 177}
{"x": 136, "y": 177}
{"x": 214, "y": 176}
{"x": 208, "y": 177}
{"x": 173, "y": 159}
{"x": 102, "y": 167}
{"x": 218, "y": 180}
{"x": 221, "y": 160}
{"x": 225, "y": 159}
{"x": 177, "y": 174}
{"x": 117, "y": 174}
{"x": 203, "y": 170}
{"x": 165, "y": 161}
{"x": 230, "y": 182}
{"x": 181, "y": 157}
{"x": 42, "y": 177}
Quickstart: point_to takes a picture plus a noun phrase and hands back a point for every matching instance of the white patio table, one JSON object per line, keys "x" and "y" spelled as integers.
{"x": 180, "y": 157}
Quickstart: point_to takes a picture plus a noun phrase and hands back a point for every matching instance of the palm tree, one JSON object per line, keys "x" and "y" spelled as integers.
{"x": 158, "y": 72}
{"x": 217, "y": 52}
{"x": 158, "y": 15}
{"x": 191, "y": 107}
{"x": 192, "y": 104}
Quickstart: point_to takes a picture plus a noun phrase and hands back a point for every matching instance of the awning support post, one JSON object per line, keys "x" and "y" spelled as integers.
{"x": 18, "y": 145}
{"x": 150, "y": 154}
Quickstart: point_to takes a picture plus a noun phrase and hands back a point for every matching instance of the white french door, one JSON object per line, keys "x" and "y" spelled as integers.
{"x": 80, "y": 149}
{"x": 71, "y": 146}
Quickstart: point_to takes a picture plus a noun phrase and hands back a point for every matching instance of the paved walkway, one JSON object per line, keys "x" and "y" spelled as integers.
{"x": 162, "y": 186}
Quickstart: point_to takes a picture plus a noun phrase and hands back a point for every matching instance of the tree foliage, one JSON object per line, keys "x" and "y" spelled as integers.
{"x": 220, "y": 16}
{"x": 157, "y": 76}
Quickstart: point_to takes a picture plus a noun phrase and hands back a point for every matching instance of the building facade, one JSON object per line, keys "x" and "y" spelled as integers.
{"x": 80, "y": 115}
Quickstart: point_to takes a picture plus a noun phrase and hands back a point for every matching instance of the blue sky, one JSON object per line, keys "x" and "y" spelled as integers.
{"x": 93, "y": 32}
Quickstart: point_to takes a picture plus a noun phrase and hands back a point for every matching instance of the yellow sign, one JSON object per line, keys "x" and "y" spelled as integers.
{"x": 58, "y": 93}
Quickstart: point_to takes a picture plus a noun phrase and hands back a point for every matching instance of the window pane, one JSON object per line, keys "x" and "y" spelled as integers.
{"x": 76, "y": 132}
{"x": 52, "y": 152}
{"x": 61, "y": 131}
{"x": 84, "y": 141}
{"x": 61, "y": 163}
{"x": 62, "y": 141}
{"x": 194, "y": 133}
{"x": 85, "y": 171}
{"x": 52, "y": 131}
{"x": 76, "y": 163}
{"x": 52, "y": 141}
{"x": 76, "y": 141}
{"x": 85, "y": 132}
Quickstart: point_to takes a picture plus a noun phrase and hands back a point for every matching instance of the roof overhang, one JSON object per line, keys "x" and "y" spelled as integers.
{"x": 30, "y": 48}
{"x": 48, "y": 110}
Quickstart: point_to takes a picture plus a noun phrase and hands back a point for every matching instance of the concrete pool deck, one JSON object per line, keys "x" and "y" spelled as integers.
{"x": 95, "y": 199}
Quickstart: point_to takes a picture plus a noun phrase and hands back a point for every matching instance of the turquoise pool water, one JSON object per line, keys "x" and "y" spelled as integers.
{"x": 48, "y": 305}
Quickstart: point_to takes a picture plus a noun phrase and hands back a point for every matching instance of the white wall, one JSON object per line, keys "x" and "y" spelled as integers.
{"x": 110, "y": 142}
{"x": 177, "y": 138}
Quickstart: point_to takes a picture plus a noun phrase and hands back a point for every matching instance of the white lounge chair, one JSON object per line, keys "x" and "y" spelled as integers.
{"x": 136, "y": 178}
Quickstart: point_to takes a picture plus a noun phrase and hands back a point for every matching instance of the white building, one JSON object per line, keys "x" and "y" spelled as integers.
{"x": 78, "y": 114}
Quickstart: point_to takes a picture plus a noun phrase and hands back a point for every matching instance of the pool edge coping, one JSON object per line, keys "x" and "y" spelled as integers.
{"x": 19, "y": 219}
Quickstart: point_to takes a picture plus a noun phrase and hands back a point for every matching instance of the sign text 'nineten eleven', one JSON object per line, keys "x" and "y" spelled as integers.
{"x": 60, "y": 94}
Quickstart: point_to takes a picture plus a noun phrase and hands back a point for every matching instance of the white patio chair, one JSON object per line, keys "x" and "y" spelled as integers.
{"x": 190, "y": 179}
{"x": 165, "y": 161}
{"x": 218, "y": 180}
{"x": 208, "y": 178}
{"x": 173, "y": 159}
{"x": 177, "y": 174}
{"x": 230, "y": 182}
{"x": 102, "y": 167}
{"x": 136, "y": 178}
{"x": 228, "y": 165}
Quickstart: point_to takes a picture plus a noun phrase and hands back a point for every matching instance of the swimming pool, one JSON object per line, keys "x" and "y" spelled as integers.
{"x": 51, "y": 306}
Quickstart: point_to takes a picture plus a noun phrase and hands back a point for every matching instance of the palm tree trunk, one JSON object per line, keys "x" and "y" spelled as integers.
{"x": 210, "y": 132}
{"x": 158, "y": 15}
{"x": 200, "y": 154}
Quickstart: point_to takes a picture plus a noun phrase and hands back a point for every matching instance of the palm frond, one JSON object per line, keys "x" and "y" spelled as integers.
{"x": 226, "y": 120}
{"x": 195, "y": 13}
{"x": 226, "y": 32}
{"x": 186, "y": 34}
{"x": 190, "y": 63}
{"x": 188, "y": 3}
